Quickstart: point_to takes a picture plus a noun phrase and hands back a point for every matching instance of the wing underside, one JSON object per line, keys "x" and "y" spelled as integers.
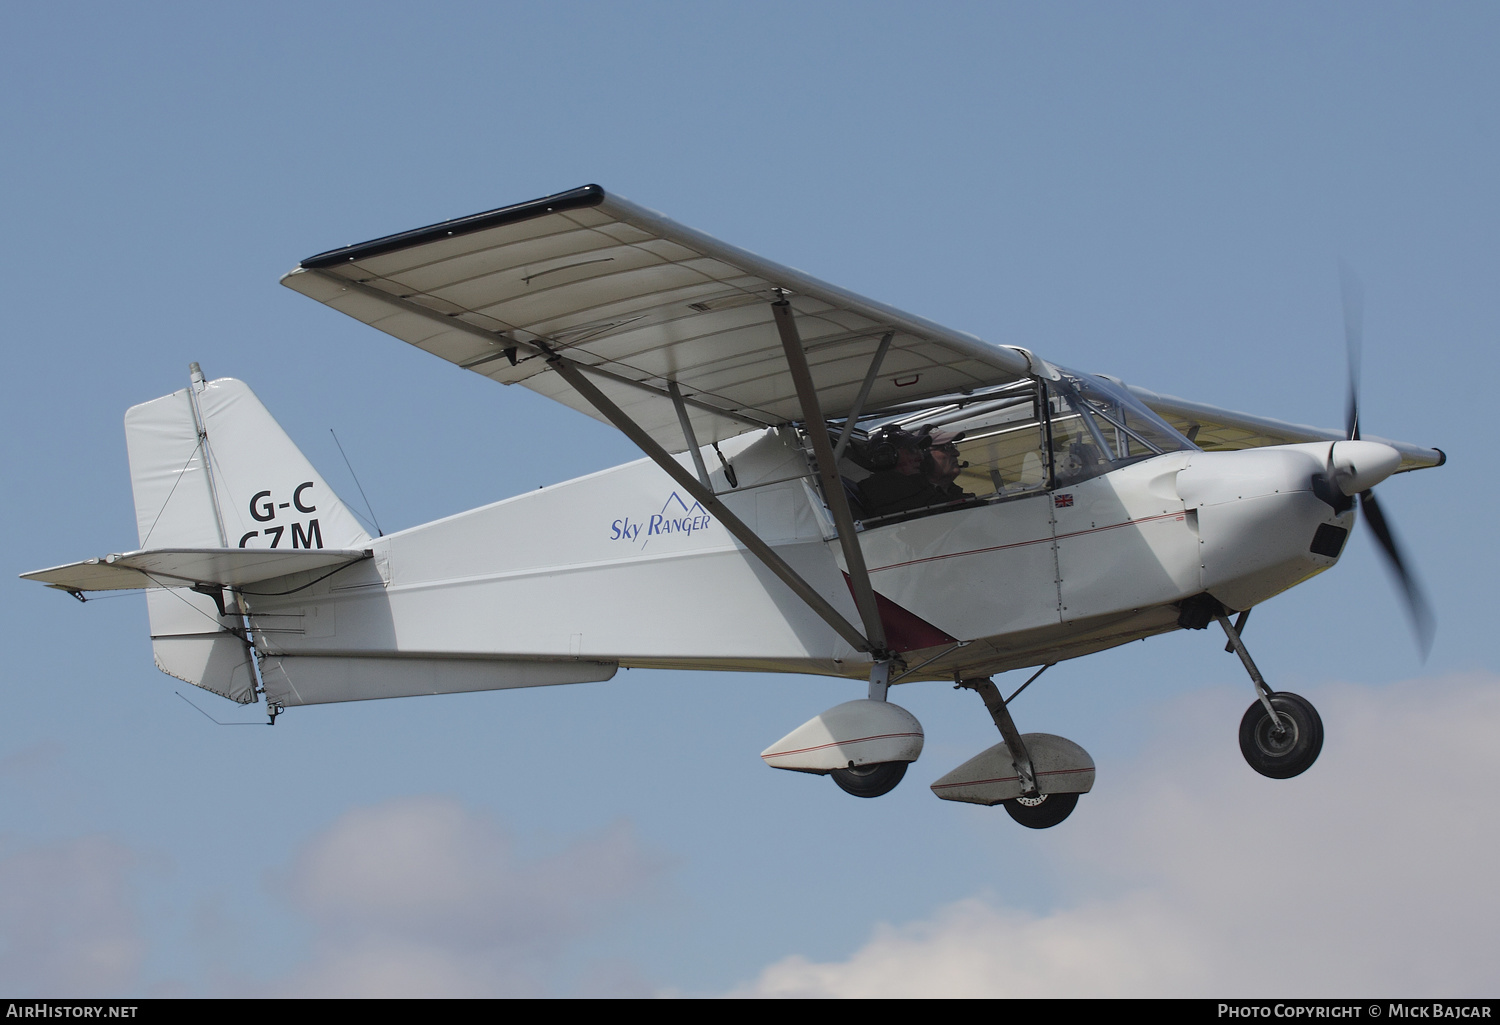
{"x": 644, "y": 306}
{"x": 670, "y": 323}
{"x": 1215, "y": 429}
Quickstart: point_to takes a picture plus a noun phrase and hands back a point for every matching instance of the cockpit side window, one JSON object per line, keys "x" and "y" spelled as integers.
{"x": 975, "y": 449}
{"x": 995, "y": 445}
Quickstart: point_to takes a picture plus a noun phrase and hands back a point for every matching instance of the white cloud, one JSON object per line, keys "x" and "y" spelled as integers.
{"x": 412, "y": 897}
{"x": 422, "y": 897}
{"x": 67, "y": 924}
{"x": 1192, "y": 876}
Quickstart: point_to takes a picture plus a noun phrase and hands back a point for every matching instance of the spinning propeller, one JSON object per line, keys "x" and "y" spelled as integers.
{"x": 1342, "y": 471}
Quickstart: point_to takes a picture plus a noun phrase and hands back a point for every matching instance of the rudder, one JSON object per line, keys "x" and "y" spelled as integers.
{"x": 211, "y": 468}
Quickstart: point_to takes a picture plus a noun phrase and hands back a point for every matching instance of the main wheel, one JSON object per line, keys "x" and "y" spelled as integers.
{"x": 870, "y": 780}
{"x": 1284, "y": 753}
{"x": 1043, "y": 811}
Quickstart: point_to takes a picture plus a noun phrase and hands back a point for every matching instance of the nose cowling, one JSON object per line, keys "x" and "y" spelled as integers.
{"x": 1360, "y": 465}
{"x": 1264, "y": 515}
{"x": 1214, "y": 478}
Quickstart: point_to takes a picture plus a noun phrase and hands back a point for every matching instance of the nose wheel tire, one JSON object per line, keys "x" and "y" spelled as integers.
{"x": 1284, "y": 753}
{"x": 870, "y": 780}
{"x": 1041, "y": 812}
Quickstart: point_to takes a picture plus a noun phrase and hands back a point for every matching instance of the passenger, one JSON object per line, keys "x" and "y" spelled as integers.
{"x": 892, "y": 489}
{"x": 926, "y": 465}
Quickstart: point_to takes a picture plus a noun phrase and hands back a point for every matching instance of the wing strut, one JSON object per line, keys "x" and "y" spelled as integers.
{"x": 864, "y": 393}
{"x": 828, "y": 472}
{"x": 687, "y": 432}
{"x": 573, "y": 374}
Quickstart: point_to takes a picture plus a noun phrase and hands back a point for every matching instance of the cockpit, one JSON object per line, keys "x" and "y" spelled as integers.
{"x": 994, "y": 445}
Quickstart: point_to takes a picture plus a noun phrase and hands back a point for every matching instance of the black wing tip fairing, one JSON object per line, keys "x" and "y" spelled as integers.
{"x": 573, "y": 199}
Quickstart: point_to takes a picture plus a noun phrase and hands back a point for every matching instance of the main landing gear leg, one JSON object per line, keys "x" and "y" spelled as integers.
{"x": 1032, "y": 809}
{"x": 873, "y": 778}
{"x": 1281, "y": 734}
{"x": 990, "y": 694}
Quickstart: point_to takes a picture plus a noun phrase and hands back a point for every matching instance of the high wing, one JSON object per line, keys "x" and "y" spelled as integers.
{"x": 178, "y": 567}
{"x": 1215, "y": 429}
{"x": 664, "y": 320}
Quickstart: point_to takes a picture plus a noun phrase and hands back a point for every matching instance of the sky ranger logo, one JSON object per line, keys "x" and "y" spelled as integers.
{"x": 676, "y": 517}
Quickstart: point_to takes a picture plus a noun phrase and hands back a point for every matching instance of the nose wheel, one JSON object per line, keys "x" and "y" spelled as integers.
{"x": 1284, "y": 747}
{"x": 1281, "y": 734}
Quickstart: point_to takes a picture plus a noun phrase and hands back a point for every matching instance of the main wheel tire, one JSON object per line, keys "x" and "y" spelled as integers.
{"x": 1041, "y": 812}
{"x": 870, "y": 780}
{"x": 1290, "y": 752}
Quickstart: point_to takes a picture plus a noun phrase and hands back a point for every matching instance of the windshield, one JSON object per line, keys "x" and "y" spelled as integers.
{"x": 1098, "y": 426}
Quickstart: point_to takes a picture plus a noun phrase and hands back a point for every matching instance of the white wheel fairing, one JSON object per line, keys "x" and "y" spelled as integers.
{"x": 856, "y": 733}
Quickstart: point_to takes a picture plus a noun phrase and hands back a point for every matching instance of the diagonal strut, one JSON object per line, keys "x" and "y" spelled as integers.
{"x": 742, "y": 532}
{"x": 828, "y": 473}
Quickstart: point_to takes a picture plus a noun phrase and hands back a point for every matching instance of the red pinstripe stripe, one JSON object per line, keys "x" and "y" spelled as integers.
{"x": 1004, "y": 779}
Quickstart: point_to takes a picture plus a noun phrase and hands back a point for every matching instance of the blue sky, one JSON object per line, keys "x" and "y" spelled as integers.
{"x": 1157, "y": 191}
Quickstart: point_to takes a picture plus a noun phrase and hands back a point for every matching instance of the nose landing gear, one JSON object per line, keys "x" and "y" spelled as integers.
{"x": 1281, "y": 734}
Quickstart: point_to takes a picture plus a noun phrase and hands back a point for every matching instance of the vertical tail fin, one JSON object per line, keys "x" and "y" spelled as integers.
{"x": 211, "y": 468}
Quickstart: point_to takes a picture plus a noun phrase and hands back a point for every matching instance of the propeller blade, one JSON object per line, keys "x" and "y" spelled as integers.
{"x": 1416, "y": 601}
{"x": 1354, "y": 332}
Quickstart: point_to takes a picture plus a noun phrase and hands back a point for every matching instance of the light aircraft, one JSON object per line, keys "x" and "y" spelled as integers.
{"x": 830, "y": 486}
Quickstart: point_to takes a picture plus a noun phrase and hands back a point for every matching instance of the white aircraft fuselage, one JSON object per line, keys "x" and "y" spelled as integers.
{"x": 619, "y": 568}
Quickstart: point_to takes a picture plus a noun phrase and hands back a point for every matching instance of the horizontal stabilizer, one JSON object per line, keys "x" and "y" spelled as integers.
{"x": 176, "y": 567}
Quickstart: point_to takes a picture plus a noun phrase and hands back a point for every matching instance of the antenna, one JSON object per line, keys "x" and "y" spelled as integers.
{"x": 357, "y": 484}
{"x": 217, "y": 722}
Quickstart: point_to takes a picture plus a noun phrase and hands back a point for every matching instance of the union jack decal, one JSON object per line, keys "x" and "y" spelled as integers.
{"x": 1062, "y": 501}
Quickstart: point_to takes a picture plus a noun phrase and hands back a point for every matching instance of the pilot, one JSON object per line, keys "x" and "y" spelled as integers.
{"x": 941, "y": 465}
